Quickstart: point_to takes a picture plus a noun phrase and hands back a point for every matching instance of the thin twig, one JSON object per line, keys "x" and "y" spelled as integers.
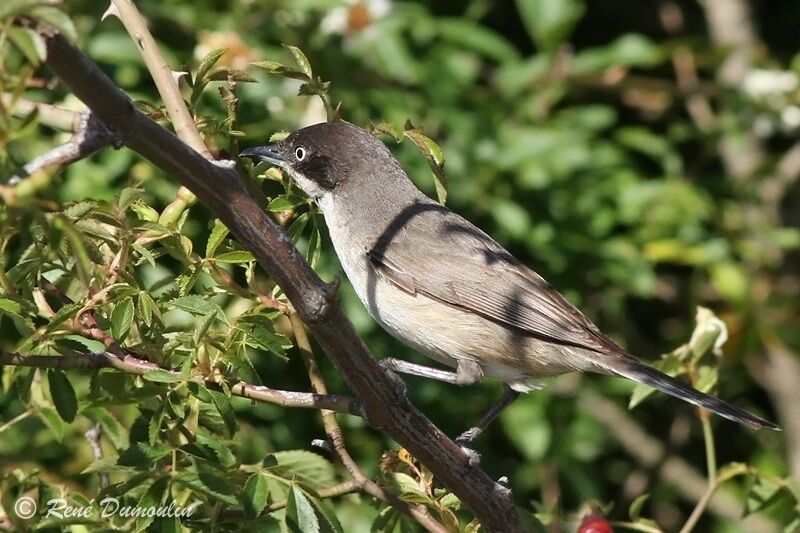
{"x": 90, "y": 136}
{"x": 20, "y": 417}
{"x": 136, "y": 366}
{"x": 345, "y": 487}
{"x": 162, "y": 73}
{"x": 93, "y": 435}
{"x": 50, "y": 115}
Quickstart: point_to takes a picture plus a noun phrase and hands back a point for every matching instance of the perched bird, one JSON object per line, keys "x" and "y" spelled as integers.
{"x": 444, "y": 287}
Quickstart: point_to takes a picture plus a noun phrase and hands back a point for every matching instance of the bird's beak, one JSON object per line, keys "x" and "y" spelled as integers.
{"x": 270, "y": 153}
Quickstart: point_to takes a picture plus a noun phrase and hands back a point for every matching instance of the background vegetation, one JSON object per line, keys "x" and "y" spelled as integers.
{"x": 642, "y": 156}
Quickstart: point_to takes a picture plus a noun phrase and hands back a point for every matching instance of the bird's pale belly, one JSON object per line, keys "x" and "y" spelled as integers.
{"x": 447, "y": 334}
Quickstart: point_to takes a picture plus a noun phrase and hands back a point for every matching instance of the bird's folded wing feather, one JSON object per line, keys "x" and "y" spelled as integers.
{"x": 466, "y": 269}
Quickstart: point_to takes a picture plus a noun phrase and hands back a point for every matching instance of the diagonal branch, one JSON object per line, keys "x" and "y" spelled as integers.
{"x": 224, "y": 192}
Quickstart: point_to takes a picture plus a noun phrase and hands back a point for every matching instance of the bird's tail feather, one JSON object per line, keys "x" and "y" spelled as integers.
{"x": 637, "y": 371}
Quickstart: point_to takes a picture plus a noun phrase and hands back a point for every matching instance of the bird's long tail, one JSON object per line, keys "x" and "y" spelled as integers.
{"x": 637, "y": 371}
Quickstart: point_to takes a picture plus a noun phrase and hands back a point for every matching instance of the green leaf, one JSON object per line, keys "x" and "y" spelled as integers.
{"x": 550, "y": 22}
{"x": 121, "y": 320}
{"x": 300, "y": 516}
{"x": 208, "y": 63}
{"x": 635, "y": 509}
{"x": 223, "y": 405}
{"x": 202, "y": 328}
{"x": 307, "y": 467}
{"x": 160, "y": 375}
{"x": 83, "y": 262}
{"x": 143, "y": 454}
{"x": 144, "y": 211}
{"x": 286, "y": 202}
{"x": 152, "y": 498}
{"x": 57, "y": 19}
{"x": 208, "y": 484}
{"x": 763, "y": 493}
{"x": 218, "y": 234}
{"x": 52, "y": 421}
{"x": 435, "y": 157}
{"x": 145, "y": 306}
{"x": 197, "y": 305}
{"x": 63, "y": 395}
{"x": 409, "y": 489}
{"x": 235, "y": 257}
{"x": 254, "y": 494}
{"x": 154, "y": 425}
{"x": 279, "y": 69}
{"x": 30, "y": 43}
{"x": 300, "y": 58}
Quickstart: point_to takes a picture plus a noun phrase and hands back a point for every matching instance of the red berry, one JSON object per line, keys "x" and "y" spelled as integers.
{"x": 594, "y": 523}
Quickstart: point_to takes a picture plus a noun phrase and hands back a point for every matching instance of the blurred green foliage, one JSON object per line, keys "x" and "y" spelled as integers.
{"x": 571, "y": 133}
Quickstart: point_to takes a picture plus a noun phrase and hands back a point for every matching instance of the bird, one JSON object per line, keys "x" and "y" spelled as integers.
{"x": 444, "y": 287}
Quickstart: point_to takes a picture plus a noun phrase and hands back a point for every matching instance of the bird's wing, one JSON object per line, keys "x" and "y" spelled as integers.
{"x": 464, "y": 268}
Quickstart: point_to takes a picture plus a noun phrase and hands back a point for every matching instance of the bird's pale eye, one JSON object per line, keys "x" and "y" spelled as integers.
{"x": 300, "y": 153}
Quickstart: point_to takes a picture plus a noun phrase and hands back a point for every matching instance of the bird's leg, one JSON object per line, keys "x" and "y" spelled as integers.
{"x": 414, "y": 369}
{"x": 509, "y": 395}
{"x": 467, "y": 372}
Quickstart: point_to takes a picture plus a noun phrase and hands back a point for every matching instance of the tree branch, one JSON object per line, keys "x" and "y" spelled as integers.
{"x": 90, "y": 136}
{"x": 136, "y": 366}
{"x": 224, "y": 192}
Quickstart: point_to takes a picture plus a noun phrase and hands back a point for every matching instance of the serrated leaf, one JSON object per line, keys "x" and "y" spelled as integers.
{"x": 202, "y": 328}
{"x": 154, "y": 425}
{"x": 307, "y": 467}
{"x": 223, "y": 405}
{"x": 65, "y": 313}
{"x": 208, "y": 63}
{"x": 300, "y": 58}
{"x": 434, "y": 155}
{"x": 197, "y": 305}
{"x": 280, "y": 69}
{"x": 144, "y": 307}
{"x": 254, "y": 494}
{"x": 121, "y": 320}
{"x": 218, "y": 234}
{"x": 63, "y": 395}
{"x": 152, "y": 498}
{"x": 235, "y": 257}
{"x": 52, "y": 421}
{"x": 300, "y": 516}
{"x": 160, "y": 375}
{"x": 409, "y": 489}
{"x": 144, "y": 211}
{"x": 209, "y": 485}
{"x": 143, "y": 454}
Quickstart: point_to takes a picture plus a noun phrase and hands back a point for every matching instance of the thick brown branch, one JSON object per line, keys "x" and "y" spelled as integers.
{"x": 224, "y": 192}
